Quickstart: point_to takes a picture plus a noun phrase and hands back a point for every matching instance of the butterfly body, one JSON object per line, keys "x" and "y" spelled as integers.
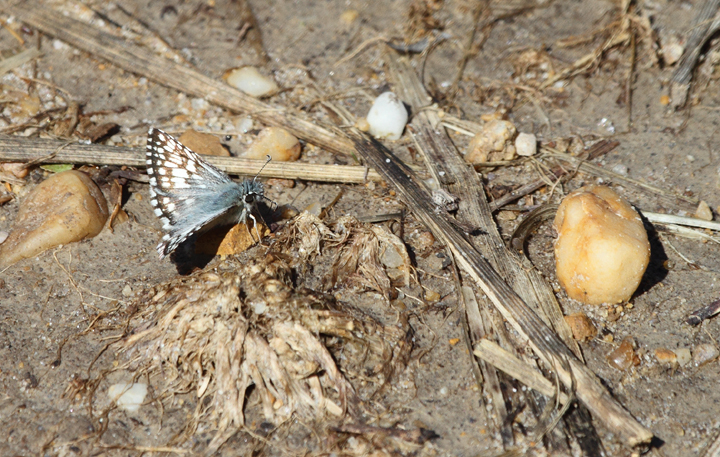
{"x": 189, "y": 195}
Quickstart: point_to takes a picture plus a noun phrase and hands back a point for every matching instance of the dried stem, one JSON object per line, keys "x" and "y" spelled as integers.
{"x": 18, "y": 149}
{"x": 506, "y": 362}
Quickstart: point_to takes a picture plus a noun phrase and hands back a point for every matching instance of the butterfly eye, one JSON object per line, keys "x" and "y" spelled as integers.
{"x": 249, "y": 198}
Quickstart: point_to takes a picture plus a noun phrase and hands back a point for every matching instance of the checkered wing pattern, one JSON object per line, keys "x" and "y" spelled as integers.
{"x": 186, "y": 193}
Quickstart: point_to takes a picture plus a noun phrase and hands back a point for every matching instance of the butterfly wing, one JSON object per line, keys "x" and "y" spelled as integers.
{"x": 186, "y": 193}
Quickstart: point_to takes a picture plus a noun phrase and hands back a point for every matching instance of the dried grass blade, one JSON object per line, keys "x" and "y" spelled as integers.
{"x": 506, "y": 362}
{"x": 18, "y": 59}
{"x": 21, "y": 149}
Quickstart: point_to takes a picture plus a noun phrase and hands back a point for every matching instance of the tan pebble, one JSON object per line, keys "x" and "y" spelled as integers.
{"x": 507, "y": 216}
{"x": 704, "y": 353}
{"x": 577, "y": 146}
{"x": 665, "y": 356}
{"x": 276, "y": 142}
{"x": 281, "y": 183}
{"x": 561, "y": 144}
{"x": 602, "y": 249}
{"x": 582, "y": 326}
{"x": 425, "y": 240}
{"x": 683, "y": 356}
{"x": 493, "y": 143}
{"x": 30, "y": 106}
{"x": 664, "y": 100}
{"x": 19, "y": 170}
{"x": 671, "y": 49}
{"x": 64, "y": 208}
{"x": 704, "y": 212}
{"x": 180, "y": 119}
{"x": 677, "y": 428}
{"x": 431, "y": 296}
{"x": 492, "y": 116}
{"x": 623, "y": 357}
{"x": 287, "y": 212}
{"x": 203, "y": 143}
{"x": 363, "y": 125}
{"x": 348, "y": 17}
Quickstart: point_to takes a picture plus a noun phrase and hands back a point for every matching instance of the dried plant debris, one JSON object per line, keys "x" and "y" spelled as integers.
{"x": 246, "y": 324}
{"x": 422, "y": 18}
{"x": 367, "y": 256}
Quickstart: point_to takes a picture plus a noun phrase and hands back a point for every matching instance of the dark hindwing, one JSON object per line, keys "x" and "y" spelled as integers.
{"x": 184, "y": 190}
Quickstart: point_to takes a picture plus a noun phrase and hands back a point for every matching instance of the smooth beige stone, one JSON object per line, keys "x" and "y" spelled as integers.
{"x": 704, "y": 212}
{"x": 251, "y": 81}
{"x": 602, "y": 249}
{"x": 66, "y": 207}
{"x": 203, "y": 143}
{"x": 276, "y": 142}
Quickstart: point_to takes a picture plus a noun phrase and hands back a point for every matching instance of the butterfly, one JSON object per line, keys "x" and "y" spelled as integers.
{"x": 190, "y": 196}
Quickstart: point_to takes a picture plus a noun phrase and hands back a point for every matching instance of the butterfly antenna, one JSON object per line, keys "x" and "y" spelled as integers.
{"x": 263, "y": 167}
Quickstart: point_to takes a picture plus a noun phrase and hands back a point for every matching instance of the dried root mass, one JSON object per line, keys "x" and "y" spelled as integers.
{"x": 219, "y": 332}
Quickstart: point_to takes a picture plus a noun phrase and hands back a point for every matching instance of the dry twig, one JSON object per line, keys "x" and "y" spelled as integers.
{"x": 19, "y": 149}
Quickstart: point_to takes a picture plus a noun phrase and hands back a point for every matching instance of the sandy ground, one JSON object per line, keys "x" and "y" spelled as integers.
{"x": 47, "y": 302}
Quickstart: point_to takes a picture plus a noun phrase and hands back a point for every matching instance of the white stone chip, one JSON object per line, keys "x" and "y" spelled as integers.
{"x": 387, "y": 117}
{"x": 526, "y": 144}
{"x": 252, "y": 82}
{"x": 128, "y": 396}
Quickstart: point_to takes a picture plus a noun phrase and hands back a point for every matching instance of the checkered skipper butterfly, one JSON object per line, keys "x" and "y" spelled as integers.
{"x": 191, "y": 196}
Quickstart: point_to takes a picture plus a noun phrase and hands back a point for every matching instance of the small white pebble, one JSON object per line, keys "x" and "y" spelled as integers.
{"x": 704, "y": 353}
{"x": 387, "y": 117}
{"x": 259, "y": 307}
{"x": 683, "y": 356}
{"x": 244, "y": 124}
{"x": 3, "y": 236}
{"x": 314, "y": 208}
{"x": 620, "y": 169}
{"x": 252, "y": 82}
{"x": 526, "y": 144}
{"x": 128, "y": 396}
{"x": 199, "y": 104}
